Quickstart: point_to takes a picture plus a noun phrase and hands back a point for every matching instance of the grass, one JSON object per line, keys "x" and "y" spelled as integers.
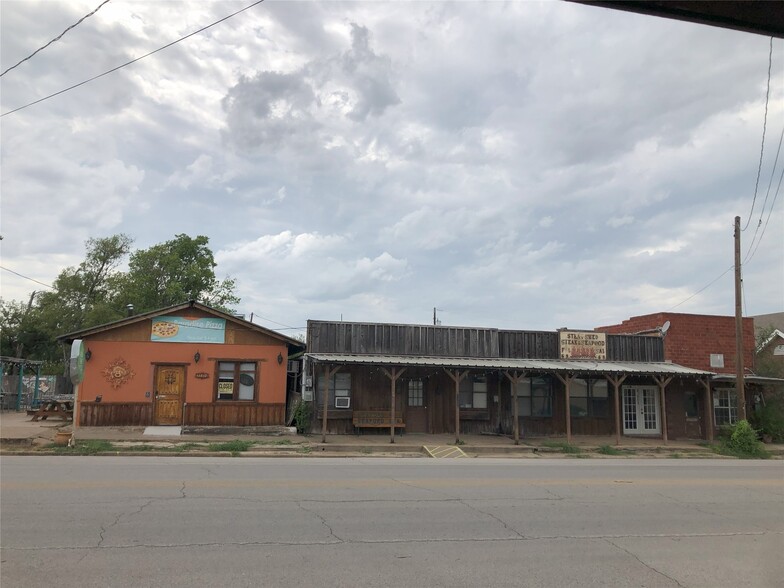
{"x": 675, "y": 456}
{"x": 725, "y": 449}
{"x": 562, "y": 446}
{"x": 235, "y": 447}
{"x": 89, "y": 447}
{"x": 610, "y": 450}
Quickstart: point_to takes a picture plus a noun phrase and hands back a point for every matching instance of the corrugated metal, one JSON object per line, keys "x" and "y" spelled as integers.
{"x": 539, "y": 365}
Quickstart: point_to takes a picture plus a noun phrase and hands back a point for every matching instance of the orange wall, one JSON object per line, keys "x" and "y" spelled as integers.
{"x": 141, "y": 356}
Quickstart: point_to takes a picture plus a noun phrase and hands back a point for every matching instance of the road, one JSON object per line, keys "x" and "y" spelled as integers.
{"x": 202, "y": 521}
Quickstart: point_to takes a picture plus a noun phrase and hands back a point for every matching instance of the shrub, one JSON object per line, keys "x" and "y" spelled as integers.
{"x": 302, "y": 414}
{"x": 743, "y": 442}
{"x": 770, "y": 420}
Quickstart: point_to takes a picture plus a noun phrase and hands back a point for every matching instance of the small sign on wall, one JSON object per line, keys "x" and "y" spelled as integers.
{"x": 202, "y": 375}
{"x": 717, "y": 360}
{"x": 583, "y": 345}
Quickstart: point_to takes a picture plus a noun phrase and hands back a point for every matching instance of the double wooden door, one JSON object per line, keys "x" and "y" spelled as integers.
{"x": 169, "y": 394}
{"x": 641, "y": 410}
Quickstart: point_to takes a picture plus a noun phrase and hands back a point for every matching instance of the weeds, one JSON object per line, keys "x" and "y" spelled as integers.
{"x": 236, "y": 446}
{"x": 610, "y": 450}
{"x": 88, "y": 447}
{"x": 562, "y": 446}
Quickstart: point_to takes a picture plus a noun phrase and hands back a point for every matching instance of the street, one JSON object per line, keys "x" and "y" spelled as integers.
{"x": 204, "y": 521}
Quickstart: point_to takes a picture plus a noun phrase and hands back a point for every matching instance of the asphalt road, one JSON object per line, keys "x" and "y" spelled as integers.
{"x": 176, "y": 521}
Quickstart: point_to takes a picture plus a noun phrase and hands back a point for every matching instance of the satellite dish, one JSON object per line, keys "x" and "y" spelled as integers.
{"x": 664, "y": 328}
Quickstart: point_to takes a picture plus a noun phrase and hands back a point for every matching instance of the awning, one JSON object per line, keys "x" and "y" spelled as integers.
{"x": 730, "y": 379}
{"x": 579, "y": 366}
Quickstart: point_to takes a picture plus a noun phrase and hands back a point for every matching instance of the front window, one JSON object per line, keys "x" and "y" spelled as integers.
{"x": 416, "y": 396}
{"x": 588, "y": 398}
{"x": 725, "y": 406}
{"x": 473, "y": 392}
{"x": 535, "y": 397}
{"x": 236, "y": 380}
{"x": 339, "y": 388}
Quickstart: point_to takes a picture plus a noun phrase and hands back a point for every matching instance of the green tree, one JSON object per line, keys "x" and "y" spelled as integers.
{"x": 173, "y": 272}
{"x": 765, "y": 363}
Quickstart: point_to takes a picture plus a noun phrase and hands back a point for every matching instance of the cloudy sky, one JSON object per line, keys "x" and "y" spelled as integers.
{"x": 517, "y": 165}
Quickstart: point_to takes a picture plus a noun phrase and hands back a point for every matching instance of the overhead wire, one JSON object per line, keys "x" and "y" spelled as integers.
{"x": 26, "y": 277}
{"x": 770, "y": 212}
{"x": 127, "y": 63}
{"x": 57, "y": 38}
{"x": 767, "y": 193}
{"x": 764, "y": 128}
{"x": 729, "y": 269}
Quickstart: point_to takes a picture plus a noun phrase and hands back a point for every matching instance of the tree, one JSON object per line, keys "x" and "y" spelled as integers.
{"x": 766, "y": 364}
{"x": 173, "y": 272}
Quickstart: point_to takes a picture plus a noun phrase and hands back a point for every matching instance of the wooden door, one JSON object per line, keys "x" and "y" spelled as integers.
{"x": 416, "y": 407}
{"x": 169, "y": 394}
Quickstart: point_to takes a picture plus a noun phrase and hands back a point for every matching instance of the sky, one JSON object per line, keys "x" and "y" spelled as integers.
{"x": 523, "y": 165}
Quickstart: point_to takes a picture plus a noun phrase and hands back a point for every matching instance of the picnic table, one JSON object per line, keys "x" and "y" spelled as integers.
{"x": 53, "y": 407}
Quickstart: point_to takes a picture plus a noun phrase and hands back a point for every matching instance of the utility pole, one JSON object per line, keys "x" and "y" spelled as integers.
{"x": 434, "y": 315}
{"x": 739, "y": 388}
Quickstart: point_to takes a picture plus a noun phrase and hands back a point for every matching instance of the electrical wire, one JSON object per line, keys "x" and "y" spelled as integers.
{"x": 729, "y": 269}
{"x": 764, "y": 128}
{"x": 255, "y": 314}
{"x": 770, "y": 211}
{"x": 762, "y": 211}
{"x": 60, "y": 36}
{"x": 132, "y": 60}
{"x": 26, "y": 277}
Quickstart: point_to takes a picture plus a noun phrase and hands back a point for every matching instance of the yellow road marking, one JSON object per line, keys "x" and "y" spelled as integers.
{"x": 445, "y": 451}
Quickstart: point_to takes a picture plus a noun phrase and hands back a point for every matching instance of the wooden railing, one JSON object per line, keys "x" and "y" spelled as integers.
{"x": 234, "y": 414}
{"x": 115, "y": 414}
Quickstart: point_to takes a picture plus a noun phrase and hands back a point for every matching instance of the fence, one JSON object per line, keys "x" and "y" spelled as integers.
{"x": 48, "y": 387}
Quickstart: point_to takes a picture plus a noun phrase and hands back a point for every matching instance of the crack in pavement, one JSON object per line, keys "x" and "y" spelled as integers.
{"x": 492, "y": 516}
{"x": 650, "y": 567}
{"x": 323, "y": 522}
{"x": 402, "y": 541}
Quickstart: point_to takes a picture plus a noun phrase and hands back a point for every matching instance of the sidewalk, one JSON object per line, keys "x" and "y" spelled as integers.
{"x": 17, "y": 430}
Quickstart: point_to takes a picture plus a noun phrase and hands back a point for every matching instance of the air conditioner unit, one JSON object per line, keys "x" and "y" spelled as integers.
{"x": 307, "y": 395}
{"x": 342, "y": 402}
{"x": 293, "y": 367}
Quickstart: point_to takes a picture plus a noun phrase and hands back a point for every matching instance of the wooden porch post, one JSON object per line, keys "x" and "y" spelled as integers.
{"x": 457, "y": 377}
{"x": 708, "y": 409}
{"x": 662, "y": 382}
{"x": 514, "y": 379}
{"x": 393, "y": 376}
{"x": 616, "y": 382}
{"x": 328, "y": 373}
{"x": 566, "y": 380}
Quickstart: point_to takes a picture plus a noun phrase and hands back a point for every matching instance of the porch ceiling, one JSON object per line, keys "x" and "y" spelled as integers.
{"x": 582, "y": 366}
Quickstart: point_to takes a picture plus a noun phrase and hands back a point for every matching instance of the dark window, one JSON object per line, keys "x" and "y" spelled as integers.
{"x": 339, "y": 387}
{"x": 725, "y": 406}
{"x": 690, "y": 404}
{"x": 236, "y": 380}
{"x": 473, "y": 392}
{"x": 589, "y": 398}
{"x": 416, "y": 396}
{"x": 535, "y": 397}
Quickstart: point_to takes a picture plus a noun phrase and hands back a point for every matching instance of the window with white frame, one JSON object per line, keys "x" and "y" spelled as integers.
{"x": 236, "y": 380}
{"x": 589, "y": 398}
{"x": 339, "y": 387}
{"x": 473, "y": 392}
{"x": 535, "y": 397}
{"x": 725, "y": 406}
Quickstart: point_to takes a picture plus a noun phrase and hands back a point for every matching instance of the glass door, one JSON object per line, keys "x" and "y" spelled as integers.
{"x": 641, "y": 410}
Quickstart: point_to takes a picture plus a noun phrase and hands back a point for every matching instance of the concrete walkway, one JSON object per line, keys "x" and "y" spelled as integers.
{"x": 16, "y": 429}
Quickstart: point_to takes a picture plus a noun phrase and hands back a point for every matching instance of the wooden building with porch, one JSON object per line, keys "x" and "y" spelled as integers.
{"x": 187, "y": 364}
{"x": 394, "y": 378}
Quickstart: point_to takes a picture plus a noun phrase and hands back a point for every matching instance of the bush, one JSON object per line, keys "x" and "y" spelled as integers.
{"x": 302, "y": 414}
{"x": 743, "y": 442}
{"x": 770, "y": 420}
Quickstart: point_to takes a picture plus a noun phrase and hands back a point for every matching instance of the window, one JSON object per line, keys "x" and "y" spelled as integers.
{"x": 535, "y": 397}
{"x": 473, "y": 392}
{"x": 725, "y": 406}
{"x": 339, "y": 387}
{"x": 416, "y": 396}
{"x": 588, "y": 398}
{"x": 236, "y": 380}
{"x": 690, "y": 405}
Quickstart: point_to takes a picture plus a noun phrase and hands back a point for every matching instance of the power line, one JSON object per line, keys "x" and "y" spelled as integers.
{"x": 26, "y": 277}
{"x": 770, "y": 211}
{"x": 60, "y": 36}
{"x": 275, "y": 322}
{"x": 770, "y": 184}
{"x": 764, "y": 128}
{"x": 729, "y": 269}
{"x": 131, "y": 61}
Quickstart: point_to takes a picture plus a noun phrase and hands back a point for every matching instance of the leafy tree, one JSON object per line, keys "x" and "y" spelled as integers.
{"x": 765, "y": 363}
{"x": 173, "y": 272}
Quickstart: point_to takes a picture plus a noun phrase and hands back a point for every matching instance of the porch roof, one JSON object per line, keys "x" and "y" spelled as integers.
{"x": 583, "y": 366}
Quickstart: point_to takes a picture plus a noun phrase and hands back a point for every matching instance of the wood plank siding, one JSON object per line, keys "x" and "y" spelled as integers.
{"x": 634, "y": 348}
{"x": 389, "y": 339}
{"x": 236, "y": 414}
{"x": 115, "y": 414}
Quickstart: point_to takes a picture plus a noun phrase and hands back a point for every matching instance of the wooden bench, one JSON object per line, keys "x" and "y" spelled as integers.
{"x": 375, "y": 419}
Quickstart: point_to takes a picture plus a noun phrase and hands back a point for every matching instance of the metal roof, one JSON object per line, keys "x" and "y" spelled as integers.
{"x": 748, "y": 378}
{"x": 585, "y": 366}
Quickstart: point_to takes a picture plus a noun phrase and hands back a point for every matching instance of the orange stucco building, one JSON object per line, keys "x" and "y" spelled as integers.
{"x": 188, "y": 364}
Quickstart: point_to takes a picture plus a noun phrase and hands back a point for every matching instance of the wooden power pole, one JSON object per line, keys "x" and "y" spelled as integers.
{"x": 739, "y": 388}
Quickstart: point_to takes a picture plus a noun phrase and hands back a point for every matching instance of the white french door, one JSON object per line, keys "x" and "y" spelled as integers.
{"x": 641, "y": 410}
